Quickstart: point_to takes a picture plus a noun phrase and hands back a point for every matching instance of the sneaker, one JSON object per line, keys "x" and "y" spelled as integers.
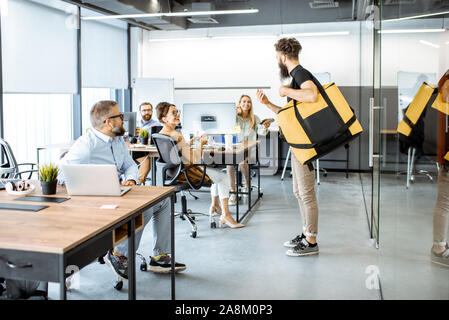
{"x": 232, "y": 200}
{"x": 118, "y": 264}
{"x": 162, "y": 264}
{"x": 303, "y": 249}
{"x": 442, "y": 258}
{"x": 294, "y": 242}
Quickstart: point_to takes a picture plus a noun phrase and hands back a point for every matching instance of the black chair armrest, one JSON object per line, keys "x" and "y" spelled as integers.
{"x": 172, "y": 180}
{"x": 27, "y": 164}
{"x": 31, "y": 171}
{"x": 191, "y": 184}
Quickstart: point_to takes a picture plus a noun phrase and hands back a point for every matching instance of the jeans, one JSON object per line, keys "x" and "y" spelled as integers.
{"x": 160, "y": 219}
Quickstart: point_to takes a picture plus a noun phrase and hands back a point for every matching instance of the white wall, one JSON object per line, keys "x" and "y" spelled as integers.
{"x": 249, "y": 63}
{"x": 246, "y": 63}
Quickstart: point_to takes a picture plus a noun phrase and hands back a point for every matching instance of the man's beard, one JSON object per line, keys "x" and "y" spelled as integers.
{"x": 118, "y": 131}
{"x": 283, "y": 71}
{"x": 146, "y": 117}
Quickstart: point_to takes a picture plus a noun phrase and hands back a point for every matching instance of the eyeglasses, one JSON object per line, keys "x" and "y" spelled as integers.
{"x": 119, "y": 115}
{"x": 146, "y": 110}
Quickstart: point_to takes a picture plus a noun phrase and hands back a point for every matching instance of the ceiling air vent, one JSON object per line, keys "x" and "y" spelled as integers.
{"x": 397, "y": 2}
{"x": 202, "y": 20}
{"x": 323, "y": 4}
{"x": 202, "y": 6}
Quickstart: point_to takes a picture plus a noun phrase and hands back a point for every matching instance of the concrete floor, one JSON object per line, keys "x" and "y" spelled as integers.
{"x": 250, "y": 263}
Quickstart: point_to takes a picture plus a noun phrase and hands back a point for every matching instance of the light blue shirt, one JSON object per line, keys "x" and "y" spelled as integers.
{"x": 150, "y": 123}
{"x": 95, "y": 147}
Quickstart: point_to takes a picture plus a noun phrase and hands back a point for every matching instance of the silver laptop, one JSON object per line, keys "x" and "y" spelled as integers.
{"x": 92, "y": 180}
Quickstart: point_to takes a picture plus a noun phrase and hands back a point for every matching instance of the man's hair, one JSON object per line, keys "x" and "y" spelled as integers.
{"x": 162, "y": 110}
{"x": 289, "y": 46}
{"x": 100, "y": 112}
{"x": 145, "y": 104}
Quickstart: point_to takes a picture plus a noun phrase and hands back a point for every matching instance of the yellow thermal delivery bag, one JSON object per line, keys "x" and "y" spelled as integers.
{"x": 441, "y": 105}
{"x": 425, "y": 96}
{"x": 314, "y": 129}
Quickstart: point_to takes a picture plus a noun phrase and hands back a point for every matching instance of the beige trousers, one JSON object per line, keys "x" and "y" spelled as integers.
{"x": 441, "y": 214}
{"x": 304, "y": 190}
{"x": 231, "y": 173}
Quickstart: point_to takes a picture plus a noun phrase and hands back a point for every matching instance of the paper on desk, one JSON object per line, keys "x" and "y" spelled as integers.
{"x": 109, "y": 206}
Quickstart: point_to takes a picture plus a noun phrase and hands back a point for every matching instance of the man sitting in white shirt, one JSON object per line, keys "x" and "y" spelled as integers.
{"x": 104, "y": 144}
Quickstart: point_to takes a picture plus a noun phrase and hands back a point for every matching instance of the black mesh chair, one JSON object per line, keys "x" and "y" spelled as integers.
{"x": 9, "y": 168}
{"x": 169, "y": 168}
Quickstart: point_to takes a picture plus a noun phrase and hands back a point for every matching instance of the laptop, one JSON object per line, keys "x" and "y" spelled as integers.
{"x": 92, "y": 180}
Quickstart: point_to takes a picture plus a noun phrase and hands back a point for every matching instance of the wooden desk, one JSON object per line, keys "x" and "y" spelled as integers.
{"x": 41, "y": 245}
{"x": 234, "y": 157}
{"x": 388, "y": 131}
{"x": 152, "y": 153}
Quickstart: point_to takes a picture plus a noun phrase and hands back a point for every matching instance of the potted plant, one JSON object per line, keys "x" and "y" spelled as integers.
{"x": 49, "y": 178}
{"x": 143, "y": 135}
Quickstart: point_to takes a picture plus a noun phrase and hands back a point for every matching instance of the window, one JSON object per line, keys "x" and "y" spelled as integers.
{"x": 33, "y": 120}
{"x": 90, "y": 96}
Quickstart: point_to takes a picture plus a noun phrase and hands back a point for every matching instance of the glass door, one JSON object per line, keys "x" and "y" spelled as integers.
{"x": 371, "y": 110}
{"x": 414, "y": 138}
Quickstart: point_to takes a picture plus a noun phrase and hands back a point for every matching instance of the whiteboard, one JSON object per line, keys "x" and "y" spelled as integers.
{"x": 152, "y": 90}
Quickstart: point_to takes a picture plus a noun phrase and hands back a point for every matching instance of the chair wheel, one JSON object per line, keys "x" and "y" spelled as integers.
{"x": 118, "y": 285}
{"x": 193, "y": 234}
{"x": 192, "y": 217}
{"x": 101, "y": 260}
{"x": 213, "y": 225}
{"x": 143, "y": 267}
{"x": 189, "y": 211}
{"x": 182, "y": 218}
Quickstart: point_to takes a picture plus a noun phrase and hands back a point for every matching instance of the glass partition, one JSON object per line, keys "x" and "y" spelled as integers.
{"x": 414, "y": 140}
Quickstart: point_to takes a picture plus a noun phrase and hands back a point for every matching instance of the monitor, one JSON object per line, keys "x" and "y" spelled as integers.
{"x": 153, "y": 130}
{"x": 212, "y": 118}
{"x": 129, "y": 123}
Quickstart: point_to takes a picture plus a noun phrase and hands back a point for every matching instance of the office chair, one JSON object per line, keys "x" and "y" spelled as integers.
{"x": 9, "y": 168}
{"x": 169, "y": 168}
{"x": 411, "y": 169}
{"x": 412, "y": 145}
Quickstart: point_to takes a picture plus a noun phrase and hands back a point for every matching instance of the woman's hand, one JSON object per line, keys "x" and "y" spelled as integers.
{"x": 267, "y": 124}
{"x": 238, "y": 110}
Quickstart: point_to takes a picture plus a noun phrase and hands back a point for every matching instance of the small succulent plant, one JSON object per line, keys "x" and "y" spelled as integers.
{"x": 143, "y": 133}
{"x": 48, "y": 173}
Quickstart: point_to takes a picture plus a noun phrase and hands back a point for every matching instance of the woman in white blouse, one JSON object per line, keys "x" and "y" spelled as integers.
{"x": 250, "y": 127}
